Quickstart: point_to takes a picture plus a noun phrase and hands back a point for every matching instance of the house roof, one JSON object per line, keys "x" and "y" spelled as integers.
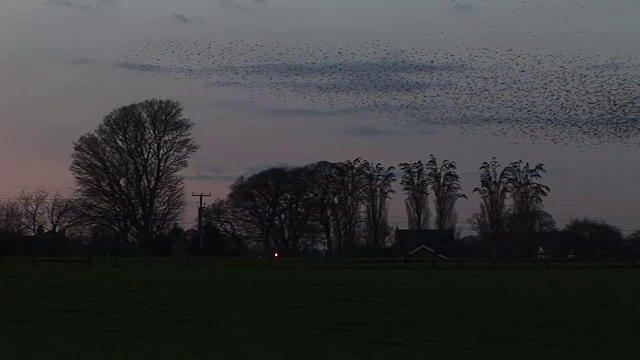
{"x": 411, "y": 239}
{"x": 423, "y": 249}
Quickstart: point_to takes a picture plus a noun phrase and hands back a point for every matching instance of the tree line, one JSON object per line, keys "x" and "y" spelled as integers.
{"x": 129, "y": 187}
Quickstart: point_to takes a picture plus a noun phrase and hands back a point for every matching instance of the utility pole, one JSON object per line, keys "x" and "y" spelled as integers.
{"x": 200, "y": 206}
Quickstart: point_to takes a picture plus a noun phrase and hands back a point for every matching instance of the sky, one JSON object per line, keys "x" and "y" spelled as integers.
{"x": 61, "y": 70}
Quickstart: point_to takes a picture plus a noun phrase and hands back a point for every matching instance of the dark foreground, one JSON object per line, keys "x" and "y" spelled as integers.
{"x": 101, "y": 313}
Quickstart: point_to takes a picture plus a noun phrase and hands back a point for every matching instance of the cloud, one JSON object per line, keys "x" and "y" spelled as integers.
{"x": 69, "y": 4}
{"x": 240, "y": 4}
{"x": 81, "y": 6}
{"x": 221, "y": 174}
{"x": 366, "y": 131}
{"x": 233, "y": 104}
{"x": 211, "y": 173}
{"x": 82, "y": 61}
{"x": 607, "y": 65}
{"x": 187, "y": 20}
{"x": 463, "y": 6}
{"x": 141, "y": 67}
{"x": 351, "y": 77}
{"x": 254, "y": 169}
{"x": 353, "y": 68}
{"x": 308, "y": 112}
{"x": 415, "y": 110}
{"x": 155, "y": 68}
{"x": 381, "y": 84}
{"x": 230, "y": 4}
{"x": 61, "y": 3}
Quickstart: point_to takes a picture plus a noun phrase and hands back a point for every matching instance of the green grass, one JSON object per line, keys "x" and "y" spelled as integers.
{"x": 170, "y": 313}
{"x": 308, "y": 263}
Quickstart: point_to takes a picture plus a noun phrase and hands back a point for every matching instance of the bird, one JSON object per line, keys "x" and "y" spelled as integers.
{"x": 572, "y": 97}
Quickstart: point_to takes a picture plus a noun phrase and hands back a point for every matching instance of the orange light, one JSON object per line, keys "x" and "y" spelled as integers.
{"x": 276, "y": 254}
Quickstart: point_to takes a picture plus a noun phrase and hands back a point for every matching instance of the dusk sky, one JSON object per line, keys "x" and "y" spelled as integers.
{"x": 61, "y": 72}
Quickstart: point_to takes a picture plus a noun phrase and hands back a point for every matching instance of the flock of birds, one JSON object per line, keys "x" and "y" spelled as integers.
{"x": 569, "y": 98}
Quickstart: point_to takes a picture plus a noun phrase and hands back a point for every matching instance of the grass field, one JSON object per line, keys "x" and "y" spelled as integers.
{"x": 170, "y": 313}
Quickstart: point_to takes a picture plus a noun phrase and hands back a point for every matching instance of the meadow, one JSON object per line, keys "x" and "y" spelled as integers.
{"x": 230, "y": 309}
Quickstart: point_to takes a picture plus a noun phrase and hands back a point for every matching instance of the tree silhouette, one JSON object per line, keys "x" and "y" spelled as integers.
{"x": 32, "y": 212}
{"x": 323, "y": 183}
{"x": 526, "y": 193}
{"x": 256, "y": 201}
{"x": 634, "y": 242}
{"x": 349, "y": 197}
{"x": 493, "y": 191}
{"x": 445, "y": 184}
{"x": 10, "y": 218}
{"x": 127, "y": 170}
{"x": 40, "y": 209}
{"x": 296, "y": 211}
{"x": 415, "y": 185}
{"x": 226, "y": 220}
{"x": 595, "y": 238}
{"x": 378, "y": 182}
{"x": 62, "y": 213}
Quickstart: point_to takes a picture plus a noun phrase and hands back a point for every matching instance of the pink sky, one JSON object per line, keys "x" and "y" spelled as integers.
{"x": 48, "y": 101}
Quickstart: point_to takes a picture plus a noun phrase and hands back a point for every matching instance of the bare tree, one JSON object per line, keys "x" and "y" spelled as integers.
{"x": 220, "y": 217}
{"x": 62, "y": 213}
{"x": 127, "y": 170}
{"x": 445, "y": 184}
{"x": 415, "y": 185}
{"x": 526, "y": 193}
{"x": 378, "y": 182}
{"x": 348, "y": 200}
{"x": 32, "y": 209}
{"x": 296, "y": 211}
{"x": 323, "y": 184}
{"x": 257, "y": 200}
{"x": 226, "y": 219}
{"x": 10, "y": 217}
